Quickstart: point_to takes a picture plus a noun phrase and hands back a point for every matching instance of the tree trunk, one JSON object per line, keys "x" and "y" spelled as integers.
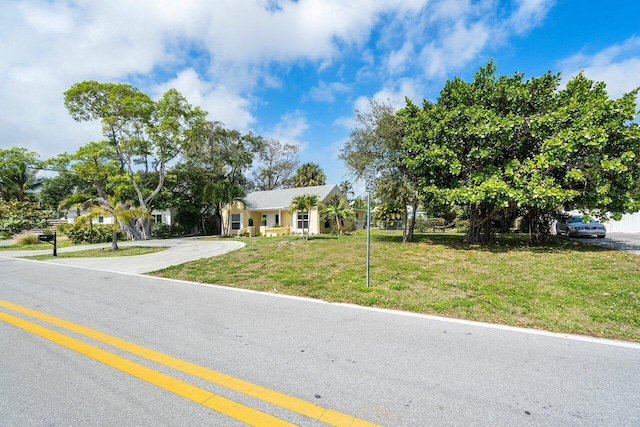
{"x": 412, "y": 225}
{"x": 114, "y": 240}
{"x": 404, "y": 223}
{"x": 480, "y": 230}
{"x": 204, "y": 229}
{"x": 144, "y": 225}
{"x": 539, "y": 226}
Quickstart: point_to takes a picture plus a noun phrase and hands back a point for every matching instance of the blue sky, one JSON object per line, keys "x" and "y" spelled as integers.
{"x": 292, "y": 70}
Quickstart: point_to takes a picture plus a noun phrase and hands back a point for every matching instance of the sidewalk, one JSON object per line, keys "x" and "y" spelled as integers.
{"x": 180, "y": 251}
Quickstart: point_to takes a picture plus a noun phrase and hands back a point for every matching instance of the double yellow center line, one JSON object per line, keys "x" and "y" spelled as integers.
{"x": 199, "y": 395}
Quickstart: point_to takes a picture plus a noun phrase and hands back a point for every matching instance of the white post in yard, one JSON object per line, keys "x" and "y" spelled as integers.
{"x": 369, "y": 176}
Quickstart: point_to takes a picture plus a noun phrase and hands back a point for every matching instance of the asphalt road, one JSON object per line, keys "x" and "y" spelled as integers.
{"x": 386, "y": 367}
{"x": 628, "y": 242}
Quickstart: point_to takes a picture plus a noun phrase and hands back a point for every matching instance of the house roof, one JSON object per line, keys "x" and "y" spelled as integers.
{"x": 281, "y": 199}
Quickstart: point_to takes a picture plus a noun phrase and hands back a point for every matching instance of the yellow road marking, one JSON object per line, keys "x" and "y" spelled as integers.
{"x": 282, "y": 400}
{"x": 204, "y": 397}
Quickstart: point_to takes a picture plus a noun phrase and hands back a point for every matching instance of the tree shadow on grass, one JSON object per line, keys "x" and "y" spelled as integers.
{"x": 504, "y": 243}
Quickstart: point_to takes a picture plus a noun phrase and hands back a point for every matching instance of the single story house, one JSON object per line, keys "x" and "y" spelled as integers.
{"x": 165, "y": 216}
{"x": 268, "y": 213}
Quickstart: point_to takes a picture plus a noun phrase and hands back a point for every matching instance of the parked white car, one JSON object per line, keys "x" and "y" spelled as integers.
{"x": 574, "y": 226}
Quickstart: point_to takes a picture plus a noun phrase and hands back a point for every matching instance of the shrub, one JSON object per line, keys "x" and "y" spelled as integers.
{"x": 26, "y": 238}
{"x": 462, "y": 226}
{"x": 161, "y": 230}
{"x": 90, "y": 233}
{"x": 17, "y": 216}
{"x": 421, "y": 225}
{"x": 64, "y": 228}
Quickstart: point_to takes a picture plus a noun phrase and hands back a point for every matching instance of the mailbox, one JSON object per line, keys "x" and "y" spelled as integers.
{"x": 46, "y": 237}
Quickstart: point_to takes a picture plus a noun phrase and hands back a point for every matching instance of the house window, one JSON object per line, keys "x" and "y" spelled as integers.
{"x": 236, "y": 221}
{"x": 264, "y": 219}
{"x": 303, "y": 220}
{"x": 157, "y": 218}
{"x": 101, "y": 219}
{"x": 327, "y": 224}
{"x": 277, "y": 219}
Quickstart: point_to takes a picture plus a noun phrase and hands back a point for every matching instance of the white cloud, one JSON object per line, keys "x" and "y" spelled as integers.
{"x": 326, "y": 92}
{"x": 455, "y": 48}
{"x": 222, "y": 105}
{"x": 290, "y": 129}
{"x": 398, "y": 60}
{"x": 446, "y": 35}
{"x": 529, "y": 14}
{"x": 48, "y": 45}
{"x": 618, "y": 66}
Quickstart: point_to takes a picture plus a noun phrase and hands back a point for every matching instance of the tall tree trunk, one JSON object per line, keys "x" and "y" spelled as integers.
{"x": 404, "y": 222}
{"x": 480, "y": 230}
{"x": 539, "y": 226}
{"x": 114, "y": 240}
{"x": 144, "y": 225}
{"x": 204, "y": 229}
{"x": 414, "y": 212}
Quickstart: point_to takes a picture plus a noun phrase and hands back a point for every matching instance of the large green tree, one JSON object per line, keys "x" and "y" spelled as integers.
{"x": 376, "y": 142}
{"x": 226, "y": 152}
{"x": 503, "y": 145}
{"x": 338, "y": 211}
{"x": 215, "y": 154}
{"x": 142, "y": 137}
{"x": 276, "y": 166}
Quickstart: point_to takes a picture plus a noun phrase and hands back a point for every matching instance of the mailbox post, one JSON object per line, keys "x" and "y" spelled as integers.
{"x": 50, "y": 238}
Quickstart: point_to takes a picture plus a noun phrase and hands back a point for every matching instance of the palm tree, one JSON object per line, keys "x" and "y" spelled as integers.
{"x": 309, "y": 175}
{"x": 223, "y": 193}
{"x": 304, "y": 204}
{"x": 338, "y": 211}
{"x": 21, "y": 182}
{"x": 121, "y": 213}
{"x": 346, "y": 188}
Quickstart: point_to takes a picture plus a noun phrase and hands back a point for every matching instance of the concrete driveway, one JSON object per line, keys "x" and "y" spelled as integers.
{"x": 180, "y": 251}
{"x": 629, "y": 242}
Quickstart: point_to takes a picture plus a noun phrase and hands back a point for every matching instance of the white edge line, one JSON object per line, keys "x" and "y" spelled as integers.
{"x": 539, "y": 332}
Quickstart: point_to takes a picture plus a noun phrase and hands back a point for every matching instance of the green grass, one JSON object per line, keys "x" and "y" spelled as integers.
{"x": 567, "y": 287}
{"x": 104, "y": 252}
{"x": 62, "y": 242}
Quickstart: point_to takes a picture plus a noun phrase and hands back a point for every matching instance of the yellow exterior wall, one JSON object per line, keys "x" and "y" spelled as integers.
{"x": 288, "y": 221}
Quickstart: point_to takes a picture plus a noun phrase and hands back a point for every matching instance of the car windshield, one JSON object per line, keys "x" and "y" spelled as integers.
{"x": 575, "y": 218}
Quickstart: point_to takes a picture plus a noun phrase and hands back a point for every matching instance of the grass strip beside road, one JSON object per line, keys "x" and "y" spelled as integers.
{"x": 567, "y": 287}
{"x": 104, "y": 252}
